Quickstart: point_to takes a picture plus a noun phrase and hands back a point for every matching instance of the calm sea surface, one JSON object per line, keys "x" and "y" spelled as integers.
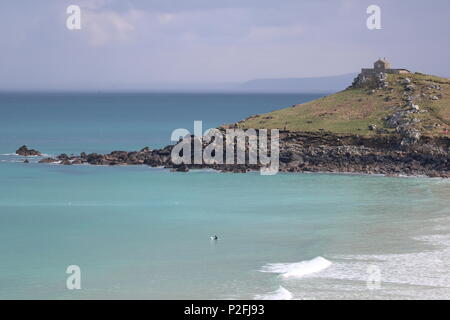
{"x": 140, "y": 232}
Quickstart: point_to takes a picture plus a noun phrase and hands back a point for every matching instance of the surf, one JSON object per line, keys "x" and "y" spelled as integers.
{"x": 297, "y": 269}
{"x": 280, "y": 294}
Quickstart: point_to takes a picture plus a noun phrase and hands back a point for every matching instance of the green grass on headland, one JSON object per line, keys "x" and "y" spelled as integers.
{"x": 352, "y": 111}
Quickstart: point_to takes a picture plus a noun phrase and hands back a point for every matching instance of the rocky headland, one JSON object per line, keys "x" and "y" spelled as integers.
{"x": 391, "y": 124}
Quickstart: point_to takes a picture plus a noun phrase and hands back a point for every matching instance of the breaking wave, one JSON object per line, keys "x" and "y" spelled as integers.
{"x": 297, "y": 269}
{"x": 280, "y": 294}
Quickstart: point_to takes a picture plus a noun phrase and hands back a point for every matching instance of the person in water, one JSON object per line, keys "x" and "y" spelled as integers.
{"x": 214, "y": 238}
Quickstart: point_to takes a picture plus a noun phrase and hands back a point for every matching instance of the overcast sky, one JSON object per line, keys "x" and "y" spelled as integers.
{"x": 126, "y": 43}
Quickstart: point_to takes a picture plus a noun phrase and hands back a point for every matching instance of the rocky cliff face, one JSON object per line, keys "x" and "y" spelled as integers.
{"x": 375, "y": 155}
{"x": 373, "y": 81}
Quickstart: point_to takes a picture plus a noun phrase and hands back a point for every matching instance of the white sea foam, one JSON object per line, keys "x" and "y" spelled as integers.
{"x": 17, "y": 155}
{"x": 417, "y": 275}
{"x": 405, "y": 273}
{"x": 280, "y": 294}
{"x": 297, "y": 269}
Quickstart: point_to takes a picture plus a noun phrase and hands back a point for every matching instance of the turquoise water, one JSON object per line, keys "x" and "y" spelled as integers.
{"x": 140, "y": 232}
{"x": 71, "y": 122}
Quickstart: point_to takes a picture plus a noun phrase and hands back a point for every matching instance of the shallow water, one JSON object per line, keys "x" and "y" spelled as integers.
{"x": 138, "y": 232}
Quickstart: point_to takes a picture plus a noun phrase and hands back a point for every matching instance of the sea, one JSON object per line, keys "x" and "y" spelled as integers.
{"x": 135, "y": 232}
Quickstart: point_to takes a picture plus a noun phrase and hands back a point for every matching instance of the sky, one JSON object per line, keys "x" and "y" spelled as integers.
{"x": 144, "y": 43}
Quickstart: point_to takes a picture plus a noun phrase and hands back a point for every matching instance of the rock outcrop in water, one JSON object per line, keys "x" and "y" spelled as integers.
{"x": 24, "y": 151}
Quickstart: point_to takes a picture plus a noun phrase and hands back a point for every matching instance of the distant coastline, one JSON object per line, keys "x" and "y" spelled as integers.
{"x": 325, "y": 84}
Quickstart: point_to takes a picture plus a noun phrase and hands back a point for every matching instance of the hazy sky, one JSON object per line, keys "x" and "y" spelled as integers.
{"x": 126, "y": 43}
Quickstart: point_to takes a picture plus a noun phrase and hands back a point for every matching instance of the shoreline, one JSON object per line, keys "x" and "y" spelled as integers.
{"x": 300, "y": 152}
{"x": 210, "y": 170}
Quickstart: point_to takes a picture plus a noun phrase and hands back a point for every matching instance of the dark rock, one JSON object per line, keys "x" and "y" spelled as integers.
{"x": 48, "y": 160}
{"x": 95, "y": 158}
{"x": 182, "y": 168}
{"x": 382, "y": 131}
{"x": 24, "y": 151}
{"x": 63, "y": 157}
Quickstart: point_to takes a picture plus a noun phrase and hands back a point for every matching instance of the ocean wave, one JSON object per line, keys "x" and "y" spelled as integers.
{"x": 297, "y": 269}
{"x": 280, "y": 294}
{"x": 425, "y": 268}
{"x": 11, "y": 161}
{"x": 17, "y": 155}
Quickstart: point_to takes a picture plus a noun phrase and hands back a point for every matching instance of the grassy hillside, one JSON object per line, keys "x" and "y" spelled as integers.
{"x": 354, "y": 110}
